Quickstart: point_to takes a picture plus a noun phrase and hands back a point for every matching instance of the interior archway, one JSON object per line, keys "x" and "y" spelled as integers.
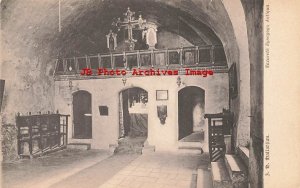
{"x": 82, "y": 115}
{"x": 191, "y": 109}
{"x": 133, "y": 119}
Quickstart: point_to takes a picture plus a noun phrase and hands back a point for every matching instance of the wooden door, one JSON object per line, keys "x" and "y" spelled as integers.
{"x": 188, "y": 98}
{"x": 82, "y": 115}
{"x": 185, "y": 114}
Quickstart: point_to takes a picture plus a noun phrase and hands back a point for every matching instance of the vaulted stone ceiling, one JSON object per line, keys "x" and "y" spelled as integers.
{"x": 33, "y": 24}
{"x": 91, "y": 26}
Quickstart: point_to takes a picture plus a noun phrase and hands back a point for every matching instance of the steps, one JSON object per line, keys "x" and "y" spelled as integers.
{"x": 190, "y": 147}
{"x": 237, "y": 171}
{"x": 204, "y": 179}
{"x": 112, "y": 148}
{"x": 229, "y": 172}
{"x": 148, "y": 149}
{"x": 220, "y": 175}
{"x": 197, "y": 136}
{"x": 81, "y": 146}
{"x": 190, "y": 150}
{"x": 130, "y": 145}
{"x": 243, "y": 152}
{"x": 182, "y": 144}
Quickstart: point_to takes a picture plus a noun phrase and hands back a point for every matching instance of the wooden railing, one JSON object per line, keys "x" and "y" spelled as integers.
{"x": 218, "y": 126}
{"x": 41, "y": 134}
{"x": 178, "y": 58}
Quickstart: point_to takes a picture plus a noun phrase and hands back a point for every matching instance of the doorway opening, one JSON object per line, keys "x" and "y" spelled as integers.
{"x": 82, "y": 115}
{"x": 133, "y": 119}
{"x": 191, "y": 110}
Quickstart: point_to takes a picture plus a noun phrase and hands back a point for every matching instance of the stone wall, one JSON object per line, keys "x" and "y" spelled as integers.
{"x": 26, "y": 66}
{"x": 241, "y": 104}
{"x": 9, "y": 143}
{"x": 167, "y": 39}
{"x": 254, "y": 19}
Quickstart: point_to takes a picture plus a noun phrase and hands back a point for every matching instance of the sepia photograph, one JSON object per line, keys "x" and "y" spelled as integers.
{"x": 133, "y": 94}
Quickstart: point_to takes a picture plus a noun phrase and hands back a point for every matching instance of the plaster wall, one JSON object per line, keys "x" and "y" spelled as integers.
{"x": 254, "y": 18}
{"x": 106, "y": 92}
{"x": 241, "y": 105}
{"x": 227, "y": 19}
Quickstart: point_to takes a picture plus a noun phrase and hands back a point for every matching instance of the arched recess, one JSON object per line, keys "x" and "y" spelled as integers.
{"x": 133, "y": 113}
{"x": 191, "y": 109}
{"x": 82, "y": 115}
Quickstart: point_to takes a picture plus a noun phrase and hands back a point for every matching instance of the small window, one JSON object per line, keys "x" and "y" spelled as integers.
{"x": 103, "y": 110}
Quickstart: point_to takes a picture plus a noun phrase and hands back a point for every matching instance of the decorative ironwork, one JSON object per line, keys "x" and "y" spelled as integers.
{"x": 129, "y": 23}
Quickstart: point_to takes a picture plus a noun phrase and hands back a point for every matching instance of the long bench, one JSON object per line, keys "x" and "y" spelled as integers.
{"x": 230, "y": 172}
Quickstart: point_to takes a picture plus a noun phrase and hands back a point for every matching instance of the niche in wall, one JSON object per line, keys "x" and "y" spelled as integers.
{"x": 191, "y": 105}
{"x": 103, "y": 110}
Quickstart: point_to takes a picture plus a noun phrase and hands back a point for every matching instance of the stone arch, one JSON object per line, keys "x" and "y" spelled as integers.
{"x": 191, "y": 109}
{"x": 82, "y": 114}
{"x": 133, "y": 115}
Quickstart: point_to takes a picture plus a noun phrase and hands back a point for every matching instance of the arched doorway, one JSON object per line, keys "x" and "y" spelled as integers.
{"x": 133, "y": 119}
{"x": 82, "y": 115}
{"x": 191, "y": 106}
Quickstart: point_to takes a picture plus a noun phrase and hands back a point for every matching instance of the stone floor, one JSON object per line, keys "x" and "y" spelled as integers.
{"x": 97, "y": 174}
{"x": 155, "y": 170}
{"x": 159, "y": 170}
{"x": 49, "y": 169}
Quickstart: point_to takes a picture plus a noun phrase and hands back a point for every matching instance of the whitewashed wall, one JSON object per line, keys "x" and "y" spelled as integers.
{"x": 106, "y": 92}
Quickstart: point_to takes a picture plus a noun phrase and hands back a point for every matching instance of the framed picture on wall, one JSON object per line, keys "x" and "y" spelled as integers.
{"x": 233, "y": 83}
{"x": 162, "y": 95}
{"x": 103, "y": 110}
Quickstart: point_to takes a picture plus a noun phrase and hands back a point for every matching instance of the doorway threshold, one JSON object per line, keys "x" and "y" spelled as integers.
{"x": 194, "y": 137}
